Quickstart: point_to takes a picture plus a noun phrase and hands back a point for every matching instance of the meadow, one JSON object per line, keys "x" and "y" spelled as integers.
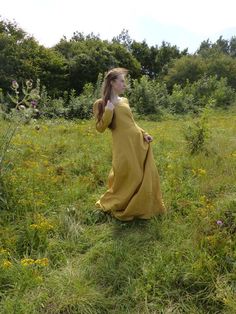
{"x": 59, "y": 254}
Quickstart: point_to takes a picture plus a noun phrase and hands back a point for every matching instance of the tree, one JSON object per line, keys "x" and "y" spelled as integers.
{"x": 124, "y": 39}
{"x": 141, "y": 51}
{"x": 228, "y": 47}
{"x": 204, "y": 48}
{"x": 185, "y": 69}
{"x": 21, "y": 58}
{"x": 154, "y": 60}
{"x": 232, "y": 46}
{"x": 89, "y": 57}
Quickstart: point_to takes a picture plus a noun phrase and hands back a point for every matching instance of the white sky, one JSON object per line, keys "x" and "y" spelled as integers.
{"x": 184, "y": 22}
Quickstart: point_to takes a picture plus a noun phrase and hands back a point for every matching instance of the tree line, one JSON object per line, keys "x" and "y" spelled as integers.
{"x": 73, "y": 67}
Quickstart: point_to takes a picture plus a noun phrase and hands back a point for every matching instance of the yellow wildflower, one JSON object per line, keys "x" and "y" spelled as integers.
{"x": 43, "y": 226}
{"x": 4, "y": 251}
{"x": 201, "y": 171}
{"x": 42, "y": 261}
{"x": 6, "y": 264}
{"x": 203, "y": 198}
{"x": 209, "y": 206}
{"x": 27, "y": 261}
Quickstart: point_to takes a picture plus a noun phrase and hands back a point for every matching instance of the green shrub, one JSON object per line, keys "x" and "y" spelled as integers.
{"x": 54, "y": 108}
{"x": 180, "y": 101}
{"x": 148, "y": 96}
{"x": 209, "y": 87}
{"x": 197, "y": 132}
{"x": 81, "y": 106}
{"x": 188, "y": 68}
{"x": 206, "y": 91}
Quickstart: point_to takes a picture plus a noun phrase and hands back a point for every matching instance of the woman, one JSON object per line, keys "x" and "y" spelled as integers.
{"x": 133, "y": 181}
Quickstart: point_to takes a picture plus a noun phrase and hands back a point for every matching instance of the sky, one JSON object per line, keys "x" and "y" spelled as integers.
{"x": 184, "y": 23}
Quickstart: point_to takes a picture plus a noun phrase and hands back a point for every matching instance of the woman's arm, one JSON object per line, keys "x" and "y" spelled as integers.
{"x": 105, "y": 119}
{"x": 148, "y": 138}
{"x": 142, "y": 130}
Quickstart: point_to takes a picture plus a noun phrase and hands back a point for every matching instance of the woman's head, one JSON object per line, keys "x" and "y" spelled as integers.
{"x": 114, "y": 83}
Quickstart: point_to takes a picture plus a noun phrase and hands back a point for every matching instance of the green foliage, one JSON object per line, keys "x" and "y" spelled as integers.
{"x": 87, "y": 58}
{"x": 197, "y": 133}
{"x": 54, "y": 108}
{"x": 148, "y": 96}
{"x": 81, "y": 106}
{"x": 71, "y": 64}
{"x": 227, "y": 47}
{"x": 154, "y": 60}
{"x": 98, "y": 86}
{"x": 183, "y": 70}
{"x": 206, "y": 91}
{"x": 210, "y": 88}
{"x": 21, "y": 58}
{"x": 224, "y": 66}
{"x": 192, "y": 68}
{"x": 180, "y": 101}
{"x": 124, "y": 39}
{"x": 23, "y": 110}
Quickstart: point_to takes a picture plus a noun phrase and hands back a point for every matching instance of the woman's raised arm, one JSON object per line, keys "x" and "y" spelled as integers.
{"x": 105, "y": 119}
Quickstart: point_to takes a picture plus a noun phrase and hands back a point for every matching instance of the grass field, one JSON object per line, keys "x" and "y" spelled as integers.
{"x": 58, "y": 254}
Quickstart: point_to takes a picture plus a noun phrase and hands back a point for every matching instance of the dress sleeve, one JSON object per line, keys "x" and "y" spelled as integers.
{"x": 105, "y": 119}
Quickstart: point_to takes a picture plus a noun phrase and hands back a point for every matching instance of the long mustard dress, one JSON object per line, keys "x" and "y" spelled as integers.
{"x": 133, "y": 181}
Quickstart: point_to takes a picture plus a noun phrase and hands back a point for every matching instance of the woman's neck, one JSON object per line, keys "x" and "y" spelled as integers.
{"x": 115, "y": 98}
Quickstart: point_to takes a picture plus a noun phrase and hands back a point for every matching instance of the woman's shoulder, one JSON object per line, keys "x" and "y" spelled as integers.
{"x": 125, "y": 99}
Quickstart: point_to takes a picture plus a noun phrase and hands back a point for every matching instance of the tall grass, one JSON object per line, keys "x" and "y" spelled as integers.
{"x": 58, "y": 254}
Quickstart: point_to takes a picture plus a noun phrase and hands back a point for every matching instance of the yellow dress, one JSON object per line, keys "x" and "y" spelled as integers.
{"x": 133, "y": 181}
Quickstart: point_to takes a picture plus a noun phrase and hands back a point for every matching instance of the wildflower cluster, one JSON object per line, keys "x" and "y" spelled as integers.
{"x": 42, "y": 224}
{"x": 198, "y": 172}
{"x": 29, "y": 261}
{"x": 6, "y": 263}
{"x": 4, "y": 254}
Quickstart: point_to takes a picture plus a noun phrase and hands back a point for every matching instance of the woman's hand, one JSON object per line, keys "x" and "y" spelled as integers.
{"x": 148, "y": 138}
{"x": 110, "y": 105}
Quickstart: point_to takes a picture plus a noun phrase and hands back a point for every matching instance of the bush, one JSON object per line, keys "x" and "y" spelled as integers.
{"x": 180, "y": 101}
{"x": 206, "y": 91}
{"x": 81, "y": 106}
{"x": 210, "y": 87}
{"x": 197, "y": 132}
{"x": 149, "y": 96}
{"x": 183, "y": 70}
{"x": 54, "y": 108}
{"x": 192, "y": 68}
{"x": 222, "y": 66}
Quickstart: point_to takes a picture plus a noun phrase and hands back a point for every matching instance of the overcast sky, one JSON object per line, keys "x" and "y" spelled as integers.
{"x": 184, "y": 23}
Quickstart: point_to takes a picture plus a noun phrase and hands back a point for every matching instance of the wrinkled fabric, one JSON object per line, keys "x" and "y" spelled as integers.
{"x": 133, "y": 182}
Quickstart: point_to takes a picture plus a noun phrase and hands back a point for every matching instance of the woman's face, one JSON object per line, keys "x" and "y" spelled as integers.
{"x": 119, "y": 84}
